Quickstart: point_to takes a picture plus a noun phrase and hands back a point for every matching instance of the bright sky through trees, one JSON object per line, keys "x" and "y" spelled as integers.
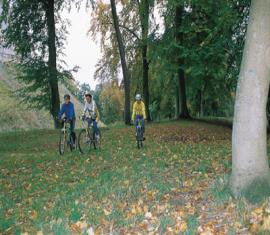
{"x": 81, "y": 49}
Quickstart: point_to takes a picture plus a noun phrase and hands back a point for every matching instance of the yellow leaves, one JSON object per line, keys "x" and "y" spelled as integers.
{"x": 206, "y": 233}
{"x": 124, "y": 2}
{"x": 190, "y": 209}
{"x": 188, "y": 183}
{"x": 258, "y": 211}
{"x": 102, "y": 6}
{"x": 151, "y": 195}
{"x": 79, "y": 227}
{"x": 126, "y": 183}
{"x": 145, "y": 208}
{"x": 74, "y": 229}
{"x": 266, "y": 223}
{"x": 27, "y": 186}
{"x": 106, "y": 212}
{"x": 108, "y": 209}
{"x": 207, "y": 229}
{"x": 260, "y": 220}
{"x": 136, "y": 209}
{"x": 181, "y": 227}
{"x": 181, "y": 212}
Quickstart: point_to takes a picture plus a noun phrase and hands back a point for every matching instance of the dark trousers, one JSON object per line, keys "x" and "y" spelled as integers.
{"x": 94, "y": 122}
{"x": 140, "y": 119}
{"x": 72, "y": 128}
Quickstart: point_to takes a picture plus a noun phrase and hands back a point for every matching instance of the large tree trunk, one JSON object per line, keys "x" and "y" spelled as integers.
{"x": 53, "y": 80}
{"x": 123, "y": 62}
{"x": 144, "y": 18}
{"x": 145, "y": 81}
{"x": 181, "y": 74}
{"x": 250, "y": 164}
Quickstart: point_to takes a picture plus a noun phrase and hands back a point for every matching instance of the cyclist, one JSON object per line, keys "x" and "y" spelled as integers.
{"x": 91, "y": 108}
{"x": 138, "y": 113}
{"x": 67, "y": 108}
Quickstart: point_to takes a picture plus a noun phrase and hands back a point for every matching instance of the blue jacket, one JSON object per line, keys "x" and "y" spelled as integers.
{"x": 68, "y": 110}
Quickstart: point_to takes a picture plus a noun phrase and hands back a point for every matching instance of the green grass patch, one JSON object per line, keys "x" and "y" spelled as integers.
{"x": 114, "y": 187}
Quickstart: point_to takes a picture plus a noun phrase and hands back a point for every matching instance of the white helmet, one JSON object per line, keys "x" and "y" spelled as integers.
{"x": 138, "y": 97}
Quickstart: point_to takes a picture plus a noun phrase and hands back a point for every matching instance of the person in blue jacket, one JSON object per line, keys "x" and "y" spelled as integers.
{"x": 67, "y": 108}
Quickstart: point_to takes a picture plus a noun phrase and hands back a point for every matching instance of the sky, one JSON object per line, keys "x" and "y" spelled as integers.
{"x": 81, "y": 49}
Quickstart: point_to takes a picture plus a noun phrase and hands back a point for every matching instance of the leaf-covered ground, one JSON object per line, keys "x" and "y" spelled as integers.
{"x": 175, "y": 185}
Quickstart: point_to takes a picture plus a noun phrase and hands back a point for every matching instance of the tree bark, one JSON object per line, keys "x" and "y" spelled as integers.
{"x": 249, "y": 156}
{"x": 177, "y": 101}
{"x": 201, "y": 103}
{"x": 121, "y": 48}
{"x": 181, "y": 74}
{"x": 53, "y": 80}
{"x": 144, "y": 18}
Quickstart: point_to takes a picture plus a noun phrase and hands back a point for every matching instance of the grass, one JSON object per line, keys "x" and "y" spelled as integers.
{"x": 114, "y": 188}
{"x": 14, "y": 115}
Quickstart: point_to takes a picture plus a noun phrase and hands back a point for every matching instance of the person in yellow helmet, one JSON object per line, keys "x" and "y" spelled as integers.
{"x": 138, "y": 113}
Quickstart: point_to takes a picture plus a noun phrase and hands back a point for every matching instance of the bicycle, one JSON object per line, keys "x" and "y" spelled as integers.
{"x": 139, "y": 135}
{"x": 66, "y": 137}
{"x": 88, "y": 138}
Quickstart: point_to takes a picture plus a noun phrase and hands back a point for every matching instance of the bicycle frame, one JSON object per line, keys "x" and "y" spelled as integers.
{"x": 65, "y": 137}
{"x": 66, "y": 129}
{"x": 86, "y": 126}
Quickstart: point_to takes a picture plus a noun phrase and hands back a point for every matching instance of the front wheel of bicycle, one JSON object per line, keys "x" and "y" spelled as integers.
{"x": 84, "y": 142}
{"x": 72, "y": 144}
{"x": 62, "y": 142}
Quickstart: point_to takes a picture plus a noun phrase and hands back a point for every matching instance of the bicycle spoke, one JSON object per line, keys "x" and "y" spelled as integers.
{"x": 84, "y": 142}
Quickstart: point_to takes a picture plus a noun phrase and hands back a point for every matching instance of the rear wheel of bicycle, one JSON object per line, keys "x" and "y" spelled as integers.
{"x": 98, "y": 141}
{"x": 84, "y": 142}
{"x": 62, "y": 143}
{"x": 141, "y": 143}
{"x": 139, "y": 138}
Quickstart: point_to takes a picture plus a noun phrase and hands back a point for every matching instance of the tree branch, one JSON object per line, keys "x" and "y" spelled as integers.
{"x": 129, "y": 30}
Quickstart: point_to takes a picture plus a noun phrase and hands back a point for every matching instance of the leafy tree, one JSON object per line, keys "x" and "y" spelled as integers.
{"x": 111, "y": 102}
{"x": 134, "y": 25}
{"x": 33, "y": 34}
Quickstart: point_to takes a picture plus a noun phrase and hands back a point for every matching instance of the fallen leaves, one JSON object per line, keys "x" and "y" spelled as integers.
{"x": 260, "y": 218}
{"x": 79, "y": 227}
{"x": 188, "y": 183}
{"x": 33, "y": 214}
{"x": 129, "y": 191}
{"x": 196, "y": 133}
{"x": 181, "y": 227}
